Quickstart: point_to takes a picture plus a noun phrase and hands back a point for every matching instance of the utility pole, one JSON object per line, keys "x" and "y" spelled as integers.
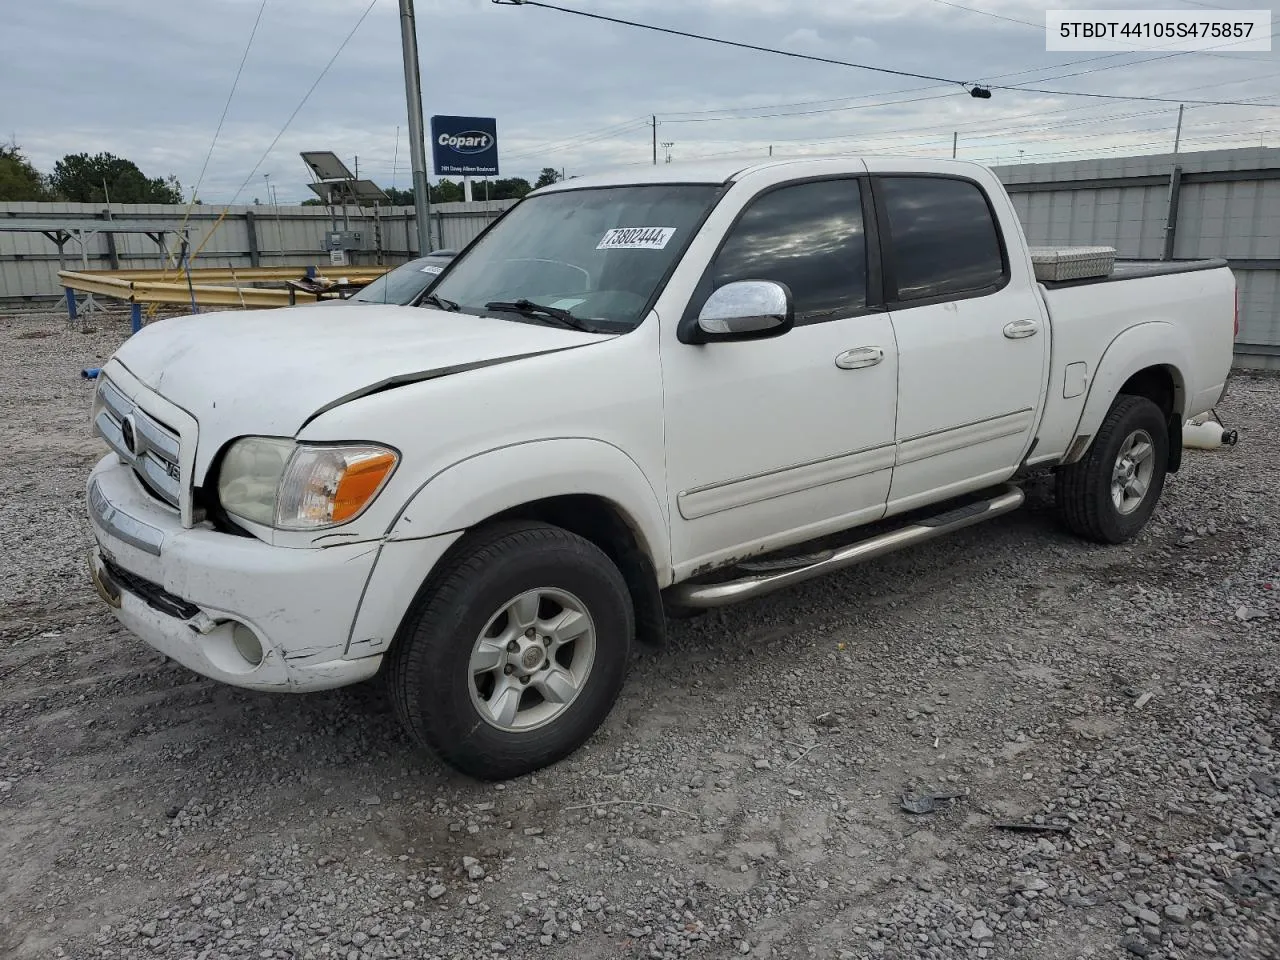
{"x": 771, "y": 149}
{"x": 955, "y": 140}
{"x": 655, "y": 139}
{"x": 667, "y": 145}
{"x": 417, "y": 142}
{"x": 1175, "y": 183}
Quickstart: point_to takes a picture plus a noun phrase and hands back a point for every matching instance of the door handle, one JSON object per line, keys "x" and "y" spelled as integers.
{"x": 1021, "y": 328}
{"x": 859, "y": 357}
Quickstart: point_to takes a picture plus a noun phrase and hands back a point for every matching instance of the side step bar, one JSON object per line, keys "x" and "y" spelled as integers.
{"x": 721, "y": 594}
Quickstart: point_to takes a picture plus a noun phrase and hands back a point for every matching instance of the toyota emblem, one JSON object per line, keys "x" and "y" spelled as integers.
{"x": 128, "y": 436}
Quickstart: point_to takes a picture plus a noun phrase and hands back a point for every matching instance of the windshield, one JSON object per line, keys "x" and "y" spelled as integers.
{"x": 403, "y": 283}
{"x": 599, "y": 253}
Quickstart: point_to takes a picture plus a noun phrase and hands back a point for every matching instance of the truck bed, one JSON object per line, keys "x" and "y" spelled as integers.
{"x": 1139, "y": 269}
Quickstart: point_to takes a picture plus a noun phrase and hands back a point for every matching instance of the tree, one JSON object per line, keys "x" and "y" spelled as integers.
{"x": 19, "y": 180}
{"x": 510, "y": 188}
{"x": 446, "y": 191}
{"x": 85, "y": 179}
{"x": 548, "y": 176}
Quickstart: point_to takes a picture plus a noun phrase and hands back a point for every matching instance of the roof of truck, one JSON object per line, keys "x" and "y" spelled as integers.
{"x": 702, "y": 171}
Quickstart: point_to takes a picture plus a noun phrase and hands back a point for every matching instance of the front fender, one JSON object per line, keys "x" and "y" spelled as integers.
{"x": 1153, "y": 344}
{"x": 486, "y": 484}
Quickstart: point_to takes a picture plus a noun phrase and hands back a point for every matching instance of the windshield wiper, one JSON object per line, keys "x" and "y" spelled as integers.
{"x": 531, "y": 309}
{"x": 435, "y": 300}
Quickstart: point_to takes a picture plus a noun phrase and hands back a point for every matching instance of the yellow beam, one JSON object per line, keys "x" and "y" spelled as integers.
{"x": 88, "y": 283}
{"x": 242, "y": 274}
{"x": 155, "y": 291}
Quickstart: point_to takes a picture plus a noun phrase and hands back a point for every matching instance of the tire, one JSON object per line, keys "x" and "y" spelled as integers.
{"x": 465, "y": 717}
{"x": 1086, "y": 490}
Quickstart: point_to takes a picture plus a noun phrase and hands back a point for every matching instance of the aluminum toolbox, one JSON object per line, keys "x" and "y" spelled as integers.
{"x": 1072, "y": 263}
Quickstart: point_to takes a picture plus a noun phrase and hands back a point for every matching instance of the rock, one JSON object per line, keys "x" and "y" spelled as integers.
{"x": 980, "y": 931}
{"x": 436, "y": 891}
{"x": 1149, "y": 918}
{"x": 1137, "y": 947}
{"x": 763, "y": 764}
{"x": 1176, "y": 912}
{"x": 1250, "y": 613}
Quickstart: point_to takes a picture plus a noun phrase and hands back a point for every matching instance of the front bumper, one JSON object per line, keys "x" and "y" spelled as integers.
{"x": 184, "y": 591}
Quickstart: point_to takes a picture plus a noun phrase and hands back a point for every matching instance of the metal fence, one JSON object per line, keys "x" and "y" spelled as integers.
{"x": 1221, "y": 203}
{"x": 248, "y": 236}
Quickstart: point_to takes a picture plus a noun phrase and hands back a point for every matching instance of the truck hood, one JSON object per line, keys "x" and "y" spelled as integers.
{"x": 270, "y": 371}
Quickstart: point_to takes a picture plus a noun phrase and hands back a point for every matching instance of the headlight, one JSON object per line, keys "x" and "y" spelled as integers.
{"x": 298, "y": 486}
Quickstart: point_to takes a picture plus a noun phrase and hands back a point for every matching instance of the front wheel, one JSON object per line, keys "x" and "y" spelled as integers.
{"x": 516, "y": 651}
{"x": 1109, "y": 494}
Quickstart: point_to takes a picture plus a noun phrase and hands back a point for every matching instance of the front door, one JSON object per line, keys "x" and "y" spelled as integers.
{"x": 770, "y": 442}
{"x": 972, "y": 338}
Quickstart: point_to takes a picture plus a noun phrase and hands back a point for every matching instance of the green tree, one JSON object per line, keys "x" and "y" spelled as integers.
{"x": 19, "y": 180}
{"x": 548, "y": 176}
{"x": 510, "y": 188}
{"x": 92, "y": 179}
{"x": 445, "y": 190}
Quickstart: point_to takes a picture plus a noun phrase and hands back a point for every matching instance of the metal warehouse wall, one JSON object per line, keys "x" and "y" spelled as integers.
{"x": 248, "y": 236}
{"x": 1227, "y": 205}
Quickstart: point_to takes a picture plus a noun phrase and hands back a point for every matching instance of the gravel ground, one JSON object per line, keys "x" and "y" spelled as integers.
{"x": 744, "y": 798}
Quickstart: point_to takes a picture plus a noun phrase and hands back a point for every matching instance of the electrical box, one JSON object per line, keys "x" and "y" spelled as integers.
{"x": 344, "y": 240}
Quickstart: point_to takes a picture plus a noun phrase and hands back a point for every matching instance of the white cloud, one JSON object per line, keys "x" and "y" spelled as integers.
{"x": 555, "y": 81}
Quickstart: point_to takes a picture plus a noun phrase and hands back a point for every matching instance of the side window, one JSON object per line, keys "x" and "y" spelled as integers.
{"x": 942, "y": 237}
{"x": 808, "y": 236}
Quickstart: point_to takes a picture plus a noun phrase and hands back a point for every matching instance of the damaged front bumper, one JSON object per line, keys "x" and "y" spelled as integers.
{"x": 230, "y": 608}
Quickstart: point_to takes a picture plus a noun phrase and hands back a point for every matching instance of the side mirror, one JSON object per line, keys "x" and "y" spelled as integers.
{"x": 746, "y": 310}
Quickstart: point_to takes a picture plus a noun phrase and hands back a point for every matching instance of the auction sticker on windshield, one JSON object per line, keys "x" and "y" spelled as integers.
{"x": 636, "y": 238}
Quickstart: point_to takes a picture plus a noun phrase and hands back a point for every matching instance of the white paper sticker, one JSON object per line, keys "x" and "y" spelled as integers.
{"x": 636, "y": 238}
{"x": 432, "y": 268}
{"x": 567, "y": 304}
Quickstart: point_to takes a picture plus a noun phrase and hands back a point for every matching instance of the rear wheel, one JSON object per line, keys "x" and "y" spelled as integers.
{"x": 1108, "y": 496}
{"x": 515, "y": 653}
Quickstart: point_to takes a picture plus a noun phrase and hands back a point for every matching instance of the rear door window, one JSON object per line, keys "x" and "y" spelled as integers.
{"x": 943, "y": 240}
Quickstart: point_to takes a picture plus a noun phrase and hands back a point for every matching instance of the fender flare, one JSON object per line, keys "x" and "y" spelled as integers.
{"x": 470, "y": 491}
{"x": 1155, "y": 343}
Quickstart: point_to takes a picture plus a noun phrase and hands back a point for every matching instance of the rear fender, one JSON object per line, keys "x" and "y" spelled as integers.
{"x": 1152, "y": 344}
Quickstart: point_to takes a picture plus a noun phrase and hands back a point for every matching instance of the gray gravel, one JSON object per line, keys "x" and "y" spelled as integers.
{"x": 744, "y": 799}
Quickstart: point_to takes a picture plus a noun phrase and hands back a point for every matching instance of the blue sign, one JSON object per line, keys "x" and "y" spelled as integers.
{"x": 465, "y": 145}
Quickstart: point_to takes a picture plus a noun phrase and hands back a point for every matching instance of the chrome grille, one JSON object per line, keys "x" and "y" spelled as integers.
{"x": 149, "y": 446}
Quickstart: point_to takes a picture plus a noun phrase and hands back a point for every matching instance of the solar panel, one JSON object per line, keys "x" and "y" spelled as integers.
{"x": 326, "y": 165}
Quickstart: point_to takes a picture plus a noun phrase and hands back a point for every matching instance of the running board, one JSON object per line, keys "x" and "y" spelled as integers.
{"x": 726, "y": 592}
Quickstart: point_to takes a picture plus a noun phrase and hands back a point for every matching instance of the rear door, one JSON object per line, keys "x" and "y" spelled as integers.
{"x": 973, "y": 340}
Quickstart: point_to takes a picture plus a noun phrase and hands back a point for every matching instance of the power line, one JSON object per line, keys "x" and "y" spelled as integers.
{"x": 974, "y": 89}
{"x": 672, "y": 118}
{"x": 305, "y": 97}
{"x": 266, "y": 153}
{"x": 988, "y": 13}
{"x": 227, "y": 106}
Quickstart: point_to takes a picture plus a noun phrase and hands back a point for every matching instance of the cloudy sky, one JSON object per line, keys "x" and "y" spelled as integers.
{"x": 149, "y": 79}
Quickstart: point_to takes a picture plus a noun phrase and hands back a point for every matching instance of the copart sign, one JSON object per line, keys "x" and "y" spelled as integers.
{"x": 465, "y": 145}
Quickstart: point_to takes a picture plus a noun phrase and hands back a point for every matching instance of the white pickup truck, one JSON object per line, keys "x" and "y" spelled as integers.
{"x": 632, "y": 396}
